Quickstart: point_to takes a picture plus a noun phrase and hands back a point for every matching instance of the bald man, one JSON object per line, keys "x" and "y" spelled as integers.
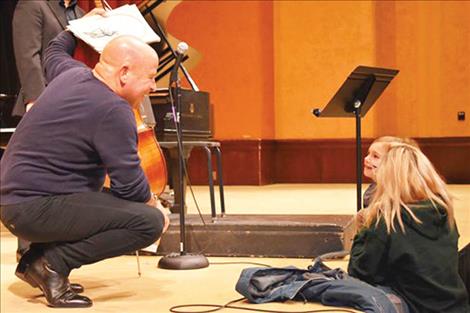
{"x": 81, "y": 128}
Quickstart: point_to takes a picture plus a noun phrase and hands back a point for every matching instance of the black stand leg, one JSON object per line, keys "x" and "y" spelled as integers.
{"x": 357, "y": 112}
{"x": 182, "y": 196}
{"x": 211, "y": 180}
{"x": 221, "y": 181}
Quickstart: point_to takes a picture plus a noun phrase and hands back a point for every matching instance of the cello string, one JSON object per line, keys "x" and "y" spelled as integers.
{"x": 106, "y": 5}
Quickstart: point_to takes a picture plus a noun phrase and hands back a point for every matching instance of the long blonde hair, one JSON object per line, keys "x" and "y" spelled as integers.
{"x": 392, "y": 139}
{"x": 406, "y": 176}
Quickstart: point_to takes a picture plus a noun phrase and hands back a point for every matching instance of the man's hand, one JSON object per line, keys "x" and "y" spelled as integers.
{"x": 95, "y": 11}
{"x": 155, "y": 202}
{"x": 28, "y": 106}
{"x": 166, "y": 214}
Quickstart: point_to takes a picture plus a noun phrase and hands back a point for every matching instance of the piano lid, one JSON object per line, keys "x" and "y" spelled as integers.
{"x": 156, "y": 13}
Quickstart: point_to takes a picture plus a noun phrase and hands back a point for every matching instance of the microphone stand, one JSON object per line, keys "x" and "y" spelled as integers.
{"x": 181, "y": 260}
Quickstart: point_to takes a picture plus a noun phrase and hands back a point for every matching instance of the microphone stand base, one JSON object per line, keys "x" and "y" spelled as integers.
{"x": 177, "y": 261}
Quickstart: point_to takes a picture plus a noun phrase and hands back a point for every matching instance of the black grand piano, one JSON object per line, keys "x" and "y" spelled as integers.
{"x": 196, "y": 118}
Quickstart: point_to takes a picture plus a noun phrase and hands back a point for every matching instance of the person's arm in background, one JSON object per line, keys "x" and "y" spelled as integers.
{"x": 59, "y": 53}
{"x": 27, "y": 40}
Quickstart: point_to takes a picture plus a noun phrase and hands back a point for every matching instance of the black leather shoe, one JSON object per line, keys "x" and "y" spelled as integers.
{"x": 24, "y": 262}
{"x": 55, "y": 286}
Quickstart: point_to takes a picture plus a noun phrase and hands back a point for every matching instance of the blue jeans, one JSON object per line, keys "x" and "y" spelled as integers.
{"x": 318, "y": 284}
{"x": 397, "y": 301}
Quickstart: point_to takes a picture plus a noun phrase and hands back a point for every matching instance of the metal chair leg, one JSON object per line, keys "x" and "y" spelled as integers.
{"x": 218, "y": 154}
{"x": 211, "y": 180}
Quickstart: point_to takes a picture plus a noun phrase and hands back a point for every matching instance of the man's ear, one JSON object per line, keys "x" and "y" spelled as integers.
{"x": 124, "y": 74}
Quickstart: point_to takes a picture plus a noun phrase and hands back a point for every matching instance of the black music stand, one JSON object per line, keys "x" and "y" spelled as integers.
{"x": 354, "y": 99}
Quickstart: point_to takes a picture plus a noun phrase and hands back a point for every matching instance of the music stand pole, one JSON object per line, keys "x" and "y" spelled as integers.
{"x": 357, "y": 113}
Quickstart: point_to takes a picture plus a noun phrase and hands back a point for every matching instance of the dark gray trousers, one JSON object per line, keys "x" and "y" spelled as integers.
{"x": 77, "y": 229}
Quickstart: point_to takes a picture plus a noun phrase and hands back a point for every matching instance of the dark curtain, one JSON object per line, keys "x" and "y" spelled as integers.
{"x": 8, "y": 77}
{"x": 9, "y": 83}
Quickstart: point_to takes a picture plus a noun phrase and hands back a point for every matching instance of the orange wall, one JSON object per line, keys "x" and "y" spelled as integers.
{"x": 236, "y": 41}
{"x": 266, "y": 64}
{"x": 317, "y": 44}
{"x": 430, "y": 43}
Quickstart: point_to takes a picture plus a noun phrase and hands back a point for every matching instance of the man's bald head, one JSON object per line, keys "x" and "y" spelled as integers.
{"x": 126, "y": 49}
{"x": 128, "y": 66}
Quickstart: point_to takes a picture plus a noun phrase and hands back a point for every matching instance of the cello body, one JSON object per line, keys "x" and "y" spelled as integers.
{"x": 151, "y": 156}
{"x": 152, "y": 159}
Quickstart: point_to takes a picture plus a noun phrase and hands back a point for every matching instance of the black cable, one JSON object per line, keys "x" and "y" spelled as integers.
{"x": 228, "y": 305}
{"x": 192, "y": 194}
{"x": 335, "y": 255}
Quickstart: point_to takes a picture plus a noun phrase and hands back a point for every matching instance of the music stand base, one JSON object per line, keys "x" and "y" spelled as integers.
{"x": 176, "y": 261}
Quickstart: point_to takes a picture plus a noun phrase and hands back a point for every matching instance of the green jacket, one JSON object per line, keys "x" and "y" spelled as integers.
{"x": 420, "y": 264}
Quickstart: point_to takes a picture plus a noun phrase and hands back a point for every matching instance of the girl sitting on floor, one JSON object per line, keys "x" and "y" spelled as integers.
{"x": 407, "y": 244}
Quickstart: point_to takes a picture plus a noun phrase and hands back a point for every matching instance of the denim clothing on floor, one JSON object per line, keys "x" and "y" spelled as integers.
{"x": 330, "y": 287}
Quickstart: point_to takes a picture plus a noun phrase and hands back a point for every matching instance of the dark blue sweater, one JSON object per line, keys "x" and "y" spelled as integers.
{"x": 77, "y": 130}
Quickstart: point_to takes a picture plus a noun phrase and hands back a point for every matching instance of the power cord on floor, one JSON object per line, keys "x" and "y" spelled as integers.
{"x": 228, "y": 305}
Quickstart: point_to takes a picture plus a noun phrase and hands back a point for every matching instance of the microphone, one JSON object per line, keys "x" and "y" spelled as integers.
{"x": 180, "y": 52}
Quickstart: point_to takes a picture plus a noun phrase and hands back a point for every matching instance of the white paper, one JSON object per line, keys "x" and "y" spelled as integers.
{"x": 98, "y": 30}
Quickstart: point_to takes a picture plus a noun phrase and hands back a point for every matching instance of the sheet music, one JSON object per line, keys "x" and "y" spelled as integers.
{"x": 98, "y": 30}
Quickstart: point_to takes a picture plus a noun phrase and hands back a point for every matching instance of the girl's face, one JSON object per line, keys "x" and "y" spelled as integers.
{"x": 372, "y": 161}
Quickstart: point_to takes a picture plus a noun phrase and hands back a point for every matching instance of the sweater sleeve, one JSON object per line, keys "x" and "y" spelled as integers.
{"x": 368, "y": 255}
{"x": 58, "y": 57}
{"x": 116, "y": 143}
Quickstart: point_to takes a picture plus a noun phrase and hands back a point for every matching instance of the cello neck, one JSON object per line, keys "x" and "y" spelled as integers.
{"x": 102, "y": 4}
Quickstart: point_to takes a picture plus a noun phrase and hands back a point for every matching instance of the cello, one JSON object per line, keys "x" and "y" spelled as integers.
{"x": 151, "y": 156}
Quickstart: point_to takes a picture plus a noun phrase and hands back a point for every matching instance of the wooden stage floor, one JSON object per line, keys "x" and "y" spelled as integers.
{"x": 114, "y": 285}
